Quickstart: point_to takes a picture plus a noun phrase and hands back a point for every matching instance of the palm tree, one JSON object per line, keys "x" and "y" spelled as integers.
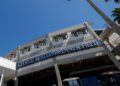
{"x": 116, "y": 12}
{"x": 116, "y": 15}
{"x": 110, "y": 23}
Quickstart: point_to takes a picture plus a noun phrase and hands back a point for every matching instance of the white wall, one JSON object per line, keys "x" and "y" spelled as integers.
{"x": 7, "y": 64}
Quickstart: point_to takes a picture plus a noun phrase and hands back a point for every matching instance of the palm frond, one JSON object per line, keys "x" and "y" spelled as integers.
{"x": 116, "y": 14}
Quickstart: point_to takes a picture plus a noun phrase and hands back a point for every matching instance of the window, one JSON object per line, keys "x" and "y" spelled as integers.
{"x": 13, "y": 55}
{"x": 60, "y": 37}
{"x": 79, "y": 32}
{"x": 73, "y": 83}
{"x": 25, "y": 50}
{"x": 40, "y": 43}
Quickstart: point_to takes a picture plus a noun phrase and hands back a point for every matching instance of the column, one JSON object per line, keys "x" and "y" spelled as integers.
{"x": 16, "y": 72}
{"x": 58, "y": 75}
{"x": 113, "y": 58}
{"x": 1, "y": 80}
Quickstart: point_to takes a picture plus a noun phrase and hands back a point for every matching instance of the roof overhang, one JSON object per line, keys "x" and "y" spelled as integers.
{"x": 7, "y": 66}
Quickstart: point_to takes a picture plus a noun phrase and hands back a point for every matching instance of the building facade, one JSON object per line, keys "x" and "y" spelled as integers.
{"x": 75, "y": 51}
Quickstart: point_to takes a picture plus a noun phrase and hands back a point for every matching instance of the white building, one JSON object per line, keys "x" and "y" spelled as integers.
{"x": 75, "y": 50}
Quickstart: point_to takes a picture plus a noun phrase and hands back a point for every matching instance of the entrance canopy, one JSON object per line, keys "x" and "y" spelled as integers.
{"x": 7, "y": 67}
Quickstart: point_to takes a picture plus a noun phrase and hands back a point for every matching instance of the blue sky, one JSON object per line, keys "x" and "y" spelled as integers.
{"x": 24, "y": 20}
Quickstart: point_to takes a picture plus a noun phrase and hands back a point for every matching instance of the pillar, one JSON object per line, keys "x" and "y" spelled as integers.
{"x": 58, "y": 75}
{"x": 2, "y": 77}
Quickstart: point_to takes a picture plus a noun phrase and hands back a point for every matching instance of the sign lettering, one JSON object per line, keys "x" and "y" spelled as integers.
{"x": 60, "y": 51}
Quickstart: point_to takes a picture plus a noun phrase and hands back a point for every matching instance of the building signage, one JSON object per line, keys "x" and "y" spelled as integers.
{"x": 60, "y": 51}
